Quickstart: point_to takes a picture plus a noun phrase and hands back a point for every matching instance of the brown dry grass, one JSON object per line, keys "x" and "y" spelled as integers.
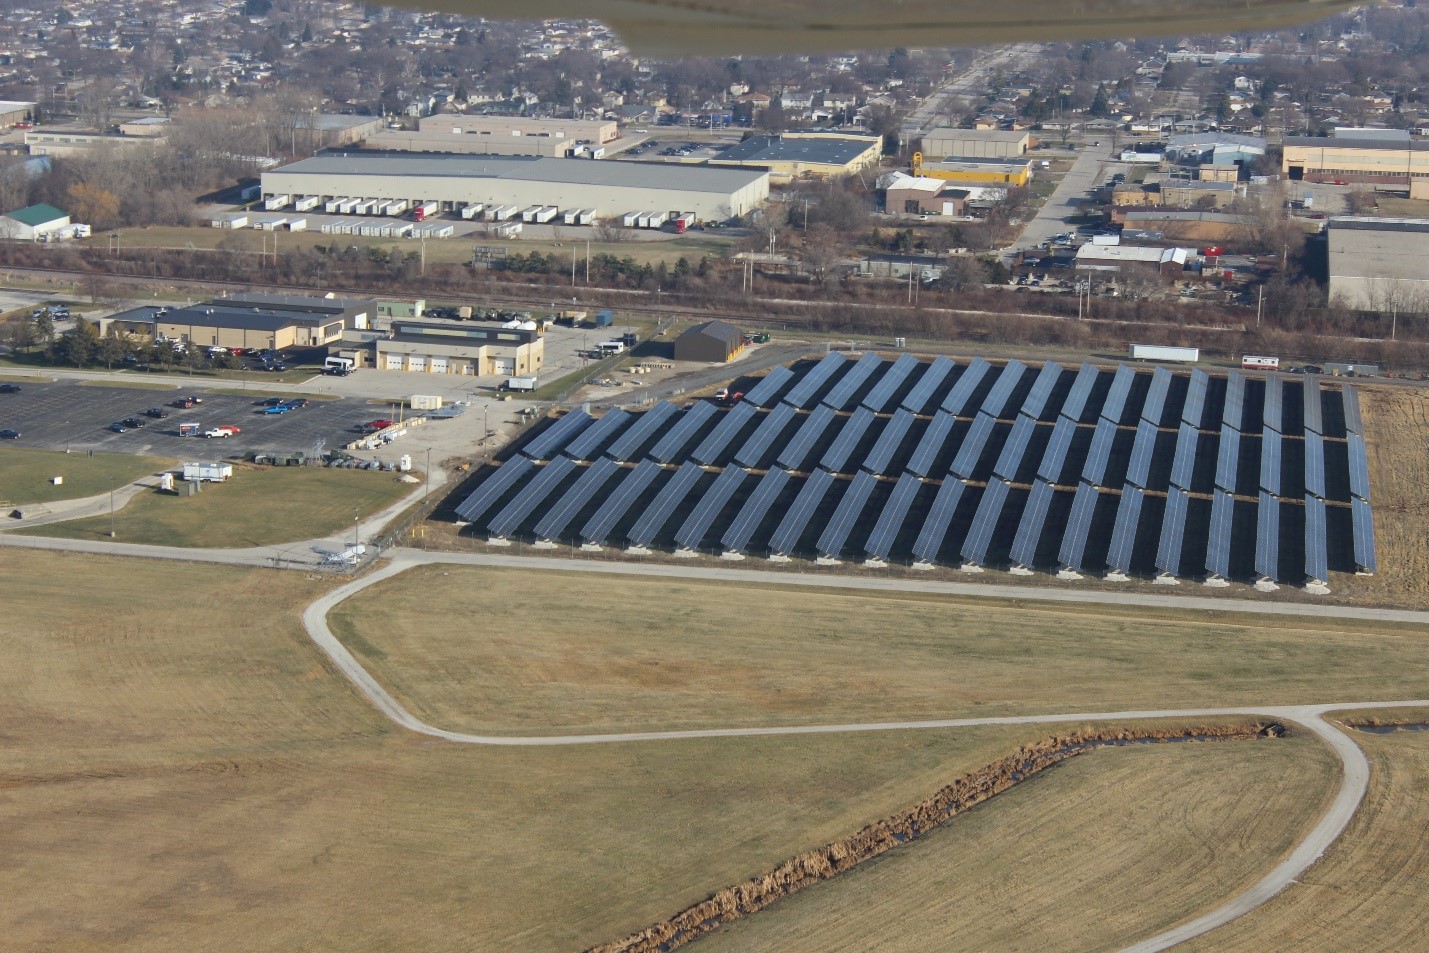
{"x": 505, "y": 650}
{"x": 183, "y": 772}
{"x": 1396, "y": 421}
{"x": 1368, "y": 892}
{"x": 1089, "y": 856}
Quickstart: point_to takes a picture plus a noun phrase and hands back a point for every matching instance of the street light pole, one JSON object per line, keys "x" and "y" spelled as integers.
{"x": 356, "y": 518}
{"x": 111, "y": 513}
{"x": 428, "y": 489}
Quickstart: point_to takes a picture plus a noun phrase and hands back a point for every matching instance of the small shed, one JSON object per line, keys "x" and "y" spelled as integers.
{"x": 712, "y": 342}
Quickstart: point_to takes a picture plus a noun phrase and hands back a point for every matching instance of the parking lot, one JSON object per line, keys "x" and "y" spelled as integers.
{"x": 67, "y": 415}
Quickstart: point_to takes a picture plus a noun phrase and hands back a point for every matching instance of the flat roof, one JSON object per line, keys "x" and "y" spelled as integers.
{"x": 986, "y": 135}
{"x": 1371, "y": 224}
{"x": 312, "y": 303}
{"x": 14, "y": 105}
{"x": 1003, "y": 162}
{"x": 252, "y": 319}
{"x": 827, "y": 150}
{"x": 1351, "y": 142}
{"x": 330, "y": 121}
{"x": 657, "y": 176}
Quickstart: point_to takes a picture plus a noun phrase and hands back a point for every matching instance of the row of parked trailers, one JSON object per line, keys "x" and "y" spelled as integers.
{"x": 387, "y": 229}
{"x": 788, "y": 429}
{"x": 680, "y": 220}
{"x": 266, "y": 223}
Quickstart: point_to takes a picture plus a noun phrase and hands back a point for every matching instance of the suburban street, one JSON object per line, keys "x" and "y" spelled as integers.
{"x": 1051, "y": 218}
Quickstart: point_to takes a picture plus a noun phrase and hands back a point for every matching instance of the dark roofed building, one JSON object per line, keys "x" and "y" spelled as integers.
{"x": 796, "y": 155}
{"x": 713, "y": 342}
{"x": 252, "y": 321}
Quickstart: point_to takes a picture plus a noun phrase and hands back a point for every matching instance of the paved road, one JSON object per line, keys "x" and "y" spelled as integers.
{"x": 1051, "y": 218}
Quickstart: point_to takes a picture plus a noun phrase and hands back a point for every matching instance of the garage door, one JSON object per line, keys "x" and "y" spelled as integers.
{"x": 504, "y": 365}
{"x": 394, "y": 362}
{"x": 415, "y": 363}
{"x": 439, "y": 365}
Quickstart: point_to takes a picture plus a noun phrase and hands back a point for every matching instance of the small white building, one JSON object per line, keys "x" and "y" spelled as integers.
{"x": 34, "y": 223}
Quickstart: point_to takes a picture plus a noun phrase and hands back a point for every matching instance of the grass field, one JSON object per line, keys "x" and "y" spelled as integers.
{"x": 1396, "y": 421}
{"x": 1394, "y": 206}
{"x": 691, "y": 246}
{"x": 501, "y": 650}
{"x": 25, "y": 474}
{"x": 1100, "y": 851}
{"x": 1368, "y": 891}
{"x": 172, "y": 786}
{"x": 258, "y": 507}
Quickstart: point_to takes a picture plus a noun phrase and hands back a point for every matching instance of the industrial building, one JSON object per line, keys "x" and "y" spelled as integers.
{"x": 1377, "y": 264}
{"x": 34, "y": 223}
{"x": 438, "y": 347}
{"x": 12, "y": 112}
{"x": 975, "y": 143}
{"x": 794, "y": 156}
{"x": 1004, "y": 172}
{"x": 1356, "y": 155}
{"x": 460, "y": 142}
{"x": 1214, "y": 148}
{"x": 71, "y": 142}
{"x": 276, "y": 322}
{"x": 595, "y": 131}
{"x": 922, "y": 196}
{"x": 455, "y": 181}
{"x": 712, "y": 342}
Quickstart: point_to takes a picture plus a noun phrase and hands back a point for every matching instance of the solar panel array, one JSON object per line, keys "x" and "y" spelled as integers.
{"x": 940, "y": 499}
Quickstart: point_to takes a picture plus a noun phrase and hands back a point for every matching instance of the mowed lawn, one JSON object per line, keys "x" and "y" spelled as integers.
{"x": 1368, "y": 891}
{"x": 1106, "y": 849}
{"x": 181, "y": 767}
{"x": 481, "y": 649}
{"x": 25, "y": 473}
{"x": 259, "y": 506}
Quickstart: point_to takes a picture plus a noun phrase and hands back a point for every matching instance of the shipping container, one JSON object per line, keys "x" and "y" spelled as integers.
{"x": 1157, "y": 352}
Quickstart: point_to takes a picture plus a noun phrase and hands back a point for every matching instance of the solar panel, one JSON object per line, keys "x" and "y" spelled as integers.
{"x": 764, "y": 435}
{"x": 684, "y": 430}
{"x": 847, "y": 440}
{"x": 531, "y": 496}
{"x": 1359, "y": 467}
{"x": 940, "y": 516}
{"x": 1351, "y": 400}
{"x": 1010, "y": 459}
{"x": 671, "y": 495}
{"x": 1228, "y": 458}
{"x": 1234, "y": 411}
{"x": 1123, "y": 534}
{"x": 1218, "y": 544}
{"x": 1315, "y": 464}
{"x": 1079, "y": 527}
{"x": 970, "y": 452}
{"x": 1054, "y": 458}
{"x": 1363, "y": 519}
{"x": 922, "y": 393}
{"x": 795, "y": 452}
{"x": 717, "y": 441}
{"x": 843, "y": 393}
{"x": 1041, "y": 392}
{"x": 893, "y": 378}
{"x": 1115, "y": 404}
{"x": 1271, "y": 454}
{"x": 692, "y": 532}
{"x": 627, "y": 491}
{"x": 557, "y": 435}
{"x": 1267, "y": 537}
{"x": 1173, "y": 532}
{"x": 756, "y": 508}
{"x": 1274, "y": 415}
{"x": 989, "y": 510}
{"x": 931, "y": 443}
{"x": 1183, "y": 464}
{"x": 1076, "y": 403}
{"x": 1154, "y": 407}
{"x": 846, "y": 514}
{"x": 763, "y": 393}
{"x": 996, "y": 401}
{"x": 802, "y": 394}
{"x": 1314, "y": 413}
{"x": 568, "y": 507}
{"x": 890, "y": 520}
{"x": 1099, "y": 453}
{"x": 1317, "y": 543}
{"x": 1195, "y": 406}
{"x": 961, "y": 394}
{"x": 645, "y": 427}
{"x": 1031, "y": 524}
{"x": 494, "y": 487}
{"x": 585, "y": 446}
{"x": 888, "y": 442}
{"x": 796, "y": 519}
{"x": 1138, "y": 471}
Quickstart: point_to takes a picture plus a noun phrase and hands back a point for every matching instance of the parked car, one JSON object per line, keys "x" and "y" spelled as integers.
{"x": 295, "y": 403}
{"x": 133, "y": 423}
{"x": 276, "y": 409}
{"x": 9, "y": 388}
{"x": 372, "y": 426}
{"x": 158, "y": 413}
{"x": 118, "y": 427}
{"x": 9, "y": 435}
{"x": 183, "y": 403}
{"x": 273, "y": 401}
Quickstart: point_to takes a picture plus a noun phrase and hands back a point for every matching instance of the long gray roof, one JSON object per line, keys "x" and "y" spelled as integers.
{"x": 636, "y": 175}
{"x": 835, "y": 150}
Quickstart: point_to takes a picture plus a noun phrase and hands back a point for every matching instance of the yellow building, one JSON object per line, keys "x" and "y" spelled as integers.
{"x": 1004, "y": 172}
{"x": 1351, "y": 158}
{"x": 804, "y": 155}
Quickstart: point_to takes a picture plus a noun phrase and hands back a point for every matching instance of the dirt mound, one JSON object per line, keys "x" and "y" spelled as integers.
{"x": 834, "y": 858}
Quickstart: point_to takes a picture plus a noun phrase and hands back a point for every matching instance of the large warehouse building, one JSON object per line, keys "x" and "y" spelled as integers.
{"x": 454, "y": 181}
{"x": 1384, "y": 156}
{"x": 250, "y": 322}
{"x": 434, "y": 347}
{"x": 809, "y": 155}
{"x": 1377, "y": 264}
{"x": 975, "y": 143}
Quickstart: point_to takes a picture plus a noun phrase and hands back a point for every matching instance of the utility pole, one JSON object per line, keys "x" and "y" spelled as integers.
{"x": 111, "y": 514}
{"x": 1260, "y": 306}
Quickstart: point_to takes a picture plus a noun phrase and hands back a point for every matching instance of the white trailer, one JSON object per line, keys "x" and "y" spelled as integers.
{"x": 469, "y": 212}
{"x": 657, "y": 219}
{"x": 585, "y": 216}
{"x": 400, "y": 206}
{"x": 597, "y": 152}
{"x": 507, "y": 229}
{"x": 643, "y": 219}
{"x": 306, "y": 204}
{"x": 529, "y": 214}
{"x": 569, "y": 216}
{"x": 330, "y": 206}
{"x": 437, "y": 230}
{"x": 230, "y": 221}
{"x": 520, "y": 383}
{"x": 270, "y": 224}
{"x": 631, "y": 219}
{"x": 500, "y": 213}
{"x": 346, "y": 206}
{"x": 208, "y": 472}
{"x": 274, "y": 202}
{"x": 1158, "y": 352}
{"x": 547, "y": 213}
{"x": 297, "y": 225}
